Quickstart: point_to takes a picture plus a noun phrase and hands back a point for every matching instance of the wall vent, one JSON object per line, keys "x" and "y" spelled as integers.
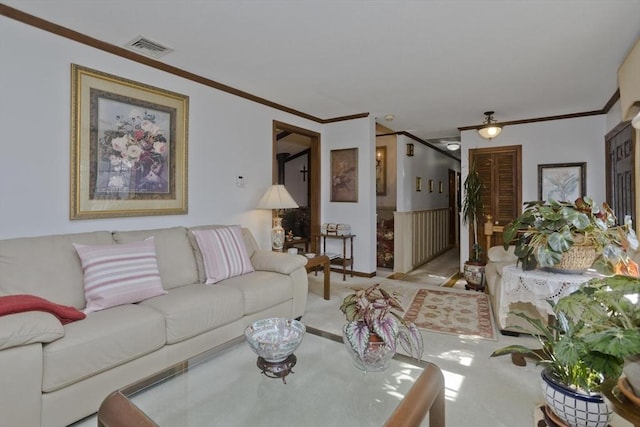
{"x": 148, "y": 47}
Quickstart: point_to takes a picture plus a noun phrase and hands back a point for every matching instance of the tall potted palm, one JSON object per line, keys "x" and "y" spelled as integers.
{"x": 472, "y": 211}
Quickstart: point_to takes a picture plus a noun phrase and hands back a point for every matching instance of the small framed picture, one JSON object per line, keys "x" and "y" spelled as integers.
{"x": 440, "y": 187}
{"x": 563, "y": 182}
{"x": 381, "y": 171}
{"x": 430, "y": 186}
{"x": 419, "y": 183}
{"x": 344, "y": 175}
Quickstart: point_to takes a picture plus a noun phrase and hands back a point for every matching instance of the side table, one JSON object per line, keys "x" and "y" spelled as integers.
{"x": 342, "y": 259}
{"x": 535, "y": 287}
{"x": 324, "y": 261}
{"x": 294, "y": 243}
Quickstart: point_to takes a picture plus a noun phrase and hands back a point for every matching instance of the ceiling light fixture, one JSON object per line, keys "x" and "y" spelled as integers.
{"x": 389, "y": 117}
{"x": 489, "y": 129}
{"x": 453, "y": 146}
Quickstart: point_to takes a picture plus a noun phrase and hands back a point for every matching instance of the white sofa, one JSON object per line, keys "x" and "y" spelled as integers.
{"x": 53, "y": 374}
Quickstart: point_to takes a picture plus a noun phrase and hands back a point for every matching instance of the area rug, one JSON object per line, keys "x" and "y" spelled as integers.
{"x": 450, "y": 311}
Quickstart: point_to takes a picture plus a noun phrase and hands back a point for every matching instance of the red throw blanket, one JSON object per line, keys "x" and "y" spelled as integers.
{"x": 12, "y": 304}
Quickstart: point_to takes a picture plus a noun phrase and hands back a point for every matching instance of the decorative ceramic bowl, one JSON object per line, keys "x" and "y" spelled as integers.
{"x": 275, "y": 339}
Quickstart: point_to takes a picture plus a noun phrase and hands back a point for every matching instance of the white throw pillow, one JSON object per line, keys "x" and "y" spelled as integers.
{"x": 119, "y": 274}
{"x": 223, "y": 252}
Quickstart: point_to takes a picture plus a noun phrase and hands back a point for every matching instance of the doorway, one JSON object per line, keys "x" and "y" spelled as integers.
{"x": 296, "y": 158}
{"x": 621, "y": 173}
{"x": 500, "y": 170}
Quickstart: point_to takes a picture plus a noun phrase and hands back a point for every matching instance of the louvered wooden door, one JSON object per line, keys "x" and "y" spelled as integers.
{"x": 500, "y": 171}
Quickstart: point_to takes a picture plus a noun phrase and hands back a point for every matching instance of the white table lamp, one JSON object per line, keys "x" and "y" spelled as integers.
{"x": 277, "y": 197}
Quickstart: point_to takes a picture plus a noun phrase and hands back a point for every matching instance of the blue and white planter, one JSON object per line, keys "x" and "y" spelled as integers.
{"x": 575, "y": 409}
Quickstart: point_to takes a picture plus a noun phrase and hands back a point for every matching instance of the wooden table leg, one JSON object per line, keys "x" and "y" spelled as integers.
{"x": 327, "y": 281}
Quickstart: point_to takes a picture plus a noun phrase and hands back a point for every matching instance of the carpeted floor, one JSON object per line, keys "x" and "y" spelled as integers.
{"x": 480, "y": 391}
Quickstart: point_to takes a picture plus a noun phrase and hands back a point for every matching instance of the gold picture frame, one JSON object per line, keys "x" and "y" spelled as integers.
{"x": 381, "y": 171}
{"x": 430, "y": 186}
{"x": 344, "y": 175}
{"x": 418, "y": 183}
{"x": 128, "y": 147}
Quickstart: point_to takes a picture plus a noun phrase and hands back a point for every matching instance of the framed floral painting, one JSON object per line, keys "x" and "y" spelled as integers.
{"x": 128, "y": 147}
{"x": 344, "y": 175}
{"x": 563, "y": 182}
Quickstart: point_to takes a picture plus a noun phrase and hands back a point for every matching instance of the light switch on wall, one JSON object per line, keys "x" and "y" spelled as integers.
{"x": 240, "y": 181}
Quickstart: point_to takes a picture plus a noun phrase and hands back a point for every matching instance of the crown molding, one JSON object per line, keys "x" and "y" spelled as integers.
{"x": 67, "y": 33}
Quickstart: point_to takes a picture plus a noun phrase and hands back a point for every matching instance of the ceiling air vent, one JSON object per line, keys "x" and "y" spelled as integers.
{"x": 148, "y": 47}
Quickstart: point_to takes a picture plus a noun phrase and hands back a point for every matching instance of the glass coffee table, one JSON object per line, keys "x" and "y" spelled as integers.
{"x": 225, "y": 387}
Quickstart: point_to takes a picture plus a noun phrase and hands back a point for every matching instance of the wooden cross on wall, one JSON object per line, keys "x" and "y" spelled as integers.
{"x": 304, "y": 172}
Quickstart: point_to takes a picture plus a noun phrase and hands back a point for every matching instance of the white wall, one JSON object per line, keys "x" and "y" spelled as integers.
{"x": 428, "y": 164}
{"x": 223, "y": 129}
{"x": 360, "y": 215}
{"x": 558, "y": 141}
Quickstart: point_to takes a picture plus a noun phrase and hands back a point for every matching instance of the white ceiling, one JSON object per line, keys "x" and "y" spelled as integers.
{"x": 435, "y": 65}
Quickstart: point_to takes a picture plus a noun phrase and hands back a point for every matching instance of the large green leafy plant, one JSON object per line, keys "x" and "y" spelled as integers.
{"x": 370, "y": 311}
{"x": 597, "y": 327}
{"x": 607, "y": 310}
{"x": 546, "y": 230}
{"x": 562, "y": 352}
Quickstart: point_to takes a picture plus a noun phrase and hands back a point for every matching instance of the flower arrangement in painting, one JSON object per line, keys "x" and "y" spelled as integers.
{"x": 137, "y": 146}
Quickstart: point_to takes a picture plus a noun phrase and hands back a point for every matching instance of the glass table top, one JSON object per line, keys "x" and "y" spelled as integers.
{"x": 225, "y": 387}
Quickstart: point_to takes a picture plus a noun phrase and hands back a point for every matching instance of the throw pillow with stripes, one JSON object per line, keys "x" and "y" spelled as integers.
{"x": 223, "y": 252}
{"x": 119, "y": 274}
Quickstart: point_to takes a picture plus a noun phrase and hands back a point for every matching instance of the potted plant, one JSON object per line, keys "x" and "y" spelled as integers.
{"x": 597, "y": 329}
{"x": 569, "y": 385}
{"x": 472, "y": 211}
{"x": 608, "y": 310}
{"x": 569, "y": 237}
{"x": 373, "y": 328}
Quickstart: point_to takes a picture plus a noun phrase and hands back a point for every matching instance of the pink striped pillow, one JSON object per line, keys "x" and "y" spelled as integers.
{"x": 223, "y": 252}
{"x": 119, "y": 274}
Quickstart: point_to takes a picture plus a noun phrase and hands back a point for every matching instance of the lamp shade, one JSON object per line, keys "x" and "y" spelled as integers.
{"x": 453, "y": 146}
{"x": 489, "y": 132}
{"x": 490, "y": 129}
{"x": 277, "y": 197}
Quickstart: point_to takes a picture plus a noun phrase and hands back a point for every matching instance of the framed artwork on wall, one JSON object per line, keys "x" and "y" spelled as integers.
{"x": 419, "y": 183}
{"x": 128, "y": 147}
{"x": 562, "y": 181}
{"x": 344, "y": 175}
{"x": 381, "y": 171}
{"x": 430, "y": 186}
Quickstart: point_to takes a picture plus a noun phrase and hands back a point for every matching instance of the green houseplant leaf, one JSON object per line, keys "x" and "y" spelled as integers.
{"x": 546, "y": 230}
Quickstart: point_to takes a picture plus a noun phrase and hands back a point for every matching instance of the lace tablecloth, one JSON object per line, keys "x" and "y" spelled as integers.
{"x": 536, "y": 287}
